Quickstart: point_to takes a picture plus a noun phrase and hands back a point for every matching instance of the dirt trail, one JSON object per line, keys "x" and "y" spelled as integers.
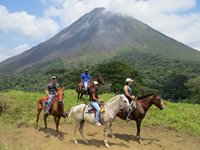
{"x": 152, "y": 138}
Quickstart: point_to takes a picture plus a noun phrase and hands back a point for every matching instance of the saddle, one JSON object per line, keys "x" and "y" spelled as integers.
{"x": 91, "y": 109}
{"x": 45, "y": 99}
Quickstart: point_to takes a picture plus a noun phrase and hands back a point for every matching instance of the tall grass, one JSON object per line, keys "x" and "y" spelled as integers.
{"x": 18, "y": 108}
{"x": 181, "y": 117}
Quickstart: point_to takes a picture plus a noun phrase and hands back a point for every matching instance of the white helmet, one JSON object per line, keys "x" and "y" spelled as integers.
{"x": 95, "y": 82}
{"x": 129, "y": 80}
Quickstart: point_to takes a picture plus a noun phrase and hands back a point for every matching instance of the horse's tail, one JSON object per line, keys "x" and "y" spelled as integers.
{"x": 70, "y": 113}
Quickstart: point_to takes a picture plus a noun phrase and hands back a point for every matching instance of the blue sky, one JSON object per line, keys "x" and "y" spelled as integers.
{"x": 26, "y": 23}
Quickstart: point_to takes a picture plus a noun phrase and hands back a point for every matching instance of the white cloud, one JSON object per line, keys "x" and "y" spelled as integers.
{"x": 21, "y": 48}
{"x": 6, "y": 52}
{"x": 18, "y": 28}
{"x": 172, "y": 17}
{"x": 26, "y": 25}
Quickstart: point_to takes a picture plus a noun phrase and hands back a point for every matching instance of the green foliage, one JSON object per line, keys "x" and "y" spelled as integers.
{"x": 175, "y": 88}
{"x": 152, "y": 74}
{"x": 116, "y": 72}
{"x": 156, "y": 70}
{"x": 193, "y": 86}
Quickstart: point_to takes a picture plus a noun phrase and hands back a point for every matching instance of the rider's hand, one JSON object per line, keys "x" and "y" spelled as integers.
{"x": 133, "y": 97}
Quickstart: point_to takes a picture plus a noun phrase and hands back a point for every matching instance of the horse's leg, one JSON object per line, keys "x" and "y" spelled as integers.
{"x": 106, "y": 131}
{"x": 76, "y": 125}
{"x": 39, "y": 109}
{"x": 56, "y": 120}
{"x": 138, "y": 122}
{"x": 81, "y": 96}
{"x": 78, "y": 95}
{"x": 45, "y": 120}
{"x": 111, "y": 131}
{"x": 81, "y": 130}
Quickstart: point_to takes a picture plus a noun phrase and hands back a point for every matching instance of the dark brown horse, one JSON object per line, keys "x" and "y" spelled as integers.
{"x": 142, "y": 106}
{"x": 80, "y": 89}
{"x": 56, "y": 110}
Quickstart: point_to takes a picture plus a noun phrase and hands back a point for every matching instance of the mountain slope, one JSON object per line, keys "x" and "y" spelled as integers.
{"x": 96, "y": 36}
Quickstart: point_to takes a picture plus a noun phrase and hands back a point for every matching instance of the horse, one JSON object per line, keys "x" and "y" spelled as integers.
{"x": 80, "y": 90}
{"x": 142, "y": 106}
{"x": 56, "y": 110}
{"x": 81, "y": 115}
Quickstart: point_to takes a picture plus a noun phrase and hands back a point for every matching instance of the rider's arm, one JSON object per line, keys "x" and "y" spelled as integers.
{"x": 126, "y": 91}
{"x": 47, "y": 91}
{"x": 81, "y": 77}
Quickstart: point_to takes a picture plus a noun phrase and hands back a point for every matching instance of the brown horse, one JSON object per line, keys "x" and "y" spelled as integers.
{"x": 56, "y": 110}
{"x": 80, "y": 90}
{"x": 142, "y": 106}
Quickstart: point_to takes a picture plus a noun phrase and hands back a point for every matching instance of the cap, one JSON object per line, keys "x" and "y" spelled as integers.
{"x": 129, "y": 80}
{"x": 95, "y": 82}
{"x": 86, "y": 70}
{"x": 53, "y": 77}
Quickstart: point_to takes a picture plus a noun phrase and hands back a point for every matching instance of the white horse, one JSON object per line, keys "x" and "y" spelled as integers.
{"x": 80, "y": 114}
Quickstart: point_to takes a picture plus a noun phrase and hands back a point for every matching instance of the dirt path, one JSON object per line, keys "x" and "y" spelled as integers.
{"x": 153, "y": 138}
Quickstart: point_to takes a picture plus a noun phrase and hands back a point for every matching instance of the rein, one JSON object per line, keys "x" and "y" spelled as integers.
{"x": 142, "y": 103}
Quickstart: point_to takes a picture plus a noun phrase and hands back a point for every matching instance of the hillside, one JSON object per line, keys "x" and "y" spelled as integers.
{"x": 97, "y": 36}
{"x": 17, "y": 120}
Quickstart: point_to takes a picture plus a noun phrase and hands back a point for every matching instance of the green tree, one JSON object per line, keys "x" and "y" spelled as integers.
{"x": 116, "y": 72}
{"x": 175, "y": 88}
{"x": 193, "y": 86}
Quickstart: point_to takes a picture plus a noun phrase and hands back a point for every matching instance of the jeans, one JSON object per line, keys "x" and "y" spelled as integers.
{"x": 96, "y": 106}
{"x": 49, "y": 101}
{"x": 85, "y": 83}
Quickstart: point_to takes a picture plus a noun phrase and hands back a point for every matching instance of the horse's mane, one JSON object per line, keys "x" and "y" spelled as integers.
{"x": 146, "y": 96}
{"x": 112, "y": 99}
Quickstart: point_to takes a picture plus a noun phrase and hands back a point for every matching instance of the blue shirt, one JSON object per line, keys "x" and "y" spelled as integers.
{"x": 85, "y": 77}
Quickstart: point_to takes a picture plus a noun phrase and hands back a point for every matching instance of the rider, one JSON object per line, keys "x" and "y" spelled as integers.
{"x": 51, "y": 90}
{"x": 85, "y": 79}
{"x": 129, "y": 94}
{"x": 94, "y": 101}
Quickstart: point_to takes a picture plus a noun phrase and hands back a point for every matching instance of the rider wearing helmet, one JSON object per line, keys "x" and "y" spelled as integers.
{"x": 129, "y": 93}
{"x": 94, "y": 101}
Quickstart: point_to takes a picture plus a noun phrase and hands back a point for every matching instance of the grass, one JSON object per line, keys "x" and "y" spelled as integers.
{"x": 181, "y": 117}
{"x": 19, "y": 108}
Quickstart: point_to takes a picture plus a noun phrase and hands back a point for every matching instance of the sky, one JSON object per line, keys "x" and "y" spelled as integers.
{"x": 26, "y": 23}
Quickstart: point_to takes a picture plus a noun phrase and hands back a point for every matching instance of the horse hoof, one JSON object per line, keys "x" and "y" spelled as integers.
{"x": 113, "y": 137}
{"x": 139, "y": 141}
{"x": 75, "y": 142}
{"x": 86, "y": 142}
{"x": 107, "y": 145}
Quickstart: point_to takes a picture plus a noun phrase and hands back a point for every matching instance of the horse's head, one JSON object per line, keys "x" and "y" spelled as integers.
{"x": 60, "y": 94}
{"x": 158, "y": 102}
{"x": 100, "y": 80}
{"x": 125, "y": 103}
